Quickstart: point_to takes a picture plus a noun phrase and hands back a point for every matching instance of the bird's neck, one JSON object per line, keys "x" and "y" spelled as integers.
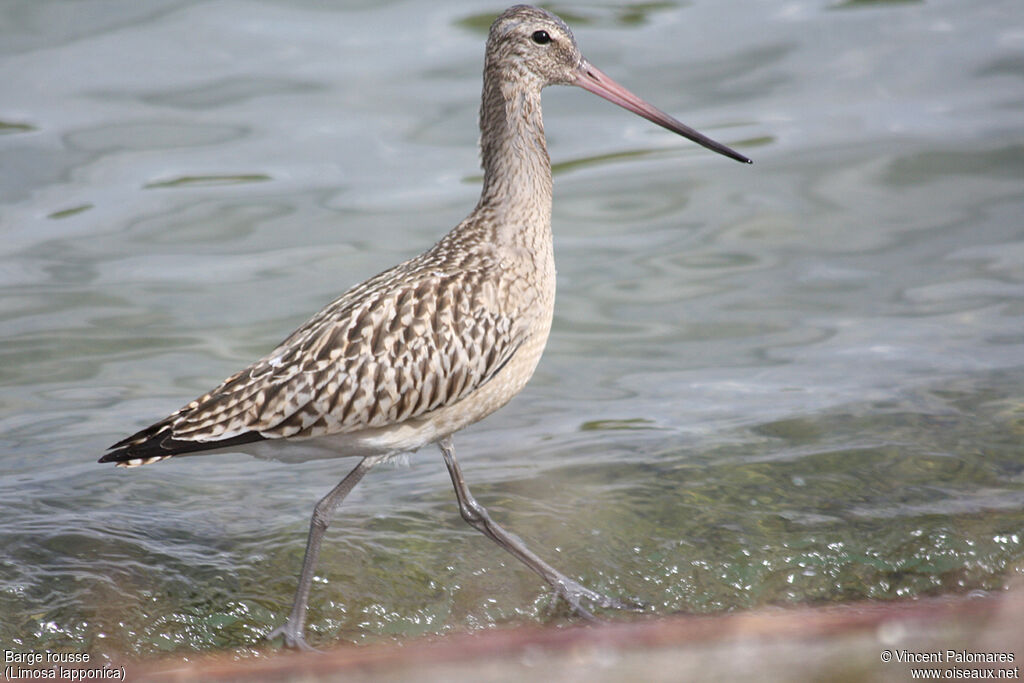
{"x": 517, "y": 169}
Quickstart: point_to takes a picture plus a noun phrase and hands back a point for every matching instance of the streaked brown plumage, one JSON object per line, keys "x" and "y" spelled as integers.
{"x": 436, "y": 343}
{"x": 419, "y": 337}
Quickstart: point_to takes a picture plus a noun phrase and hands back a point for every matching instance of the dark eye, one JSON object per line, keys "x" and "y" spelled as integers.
{"x": 541, "y": 37}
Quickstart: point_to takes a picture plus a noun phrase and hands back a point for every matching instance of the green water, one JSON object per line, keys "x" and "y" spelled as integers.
{"x": 792, "y": 383}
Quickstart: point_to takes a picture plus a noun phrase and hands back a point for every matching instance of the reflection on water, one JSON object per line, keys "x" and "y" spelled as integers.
{"x": 797, "y": 382}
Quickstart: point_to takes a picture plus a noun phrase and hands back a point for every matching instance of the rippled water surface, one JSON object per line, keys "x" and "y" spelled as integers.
{"x": 796, "y": 382}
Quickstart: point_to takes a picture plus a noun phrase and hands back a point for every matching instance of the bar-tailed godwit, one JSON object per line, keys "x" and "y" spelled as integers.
{"x": 434, "y": 344}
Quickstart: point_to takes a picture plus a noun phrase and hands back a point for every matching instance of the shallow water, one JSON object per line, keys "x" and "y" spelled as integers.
{"x": 795, "y": 382}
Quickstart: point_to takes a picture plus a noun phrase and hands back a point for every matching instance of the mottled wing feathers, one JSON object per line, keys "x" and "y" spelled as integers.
{"x": 396, "y": 347}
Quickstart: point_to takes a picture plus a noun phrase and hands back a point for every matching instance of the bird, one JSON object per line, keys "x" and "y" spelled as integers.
{"x": 434, "y": 344}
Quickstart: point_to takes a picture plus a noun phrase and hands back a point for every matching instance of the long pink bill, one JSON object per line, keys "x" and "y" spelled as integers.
{"x": 596, "y": 81}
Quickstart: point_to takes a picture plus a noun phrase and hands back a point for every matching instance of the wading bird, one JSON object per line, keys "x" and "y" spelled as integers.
{"x": 434, "y": 344}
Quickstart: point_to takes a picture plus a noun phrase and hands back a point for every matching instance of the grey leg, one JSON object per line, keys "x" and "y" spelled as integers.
{"x": 292, "y": 628}
{"x": 477, "y": 516}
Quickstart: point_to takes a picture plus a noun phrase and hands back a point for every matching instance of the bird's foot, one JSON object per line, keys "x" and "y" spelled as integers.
{"x": 575, "y": 593}
{"x": 292, "y": 635}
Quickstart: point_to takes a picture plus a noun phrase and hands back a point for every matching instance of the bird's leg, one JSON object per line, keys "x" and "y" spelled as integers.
{"x": 292, "y": 628}
{"x": 473, "y": 512}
